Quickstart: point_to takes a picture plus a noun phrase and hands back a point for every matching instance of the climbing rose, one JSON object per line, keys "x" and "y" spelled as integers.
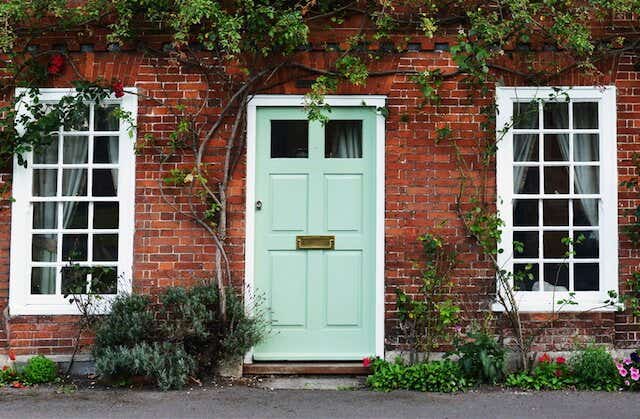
{"x": 561, "y": 360}
{"x": 635, "y": 374}
{"x": 544, "y": 358}
{"x": 366, "y": 362}
{"x": 56, "y": 64}
{"x": 118, "y": 88}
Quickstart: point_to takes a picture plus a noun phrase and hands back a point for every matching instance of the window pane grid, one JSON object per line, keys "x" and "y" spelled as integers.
{"x": 559, "y": 153}
{"x": 68, "y": 236}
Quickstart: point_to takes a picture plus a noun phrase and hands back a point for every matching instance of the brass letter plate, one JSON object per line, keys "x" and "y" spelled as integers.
{"x": 315, "y": 242}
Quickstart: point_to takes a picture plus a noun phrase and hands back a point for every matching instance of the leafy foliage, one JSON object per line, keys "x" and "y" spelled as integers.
{"x": 437, "y": 376}
{"x": 594, "y": 369}
{"x": 40, "y": 369}
{"x": 481, "y": 357}
{"x": 547, "y": 375}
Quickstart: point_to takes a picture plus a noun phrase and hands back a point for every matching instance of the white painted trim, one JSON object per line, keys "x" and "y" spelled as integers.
{"x": 20, "y": 300}
{"x": 608, "y": 229}
{"x": 335, "y": 101}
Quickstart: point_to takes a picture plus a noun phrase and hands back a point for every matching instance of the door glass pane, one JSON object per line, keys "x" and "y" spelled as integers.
{"x": 585, "y": 212}
{"x": 525, "y": 276}
{"x": 44, "y": 247}
{"x": 526, "y": 180}
{"x": 45, "y": 182}
{"x": 104, "y": 118}
{"x": 105, "y": 182}
{"x": 343, "y": 140}
{"x": 525, "y": 115}
{"x": 585, "y": 147}
{"x": 586, "y": 277}
{"x": 556, "y": 277}
{"x": 555, "y": 244}
{"x": 289, "y": 139}
{"x": 556, "y": 147}
{"x": 586, "y": 244}
{"x": 586, "y": 180}
{"x": 74, "y": 247}
{"x": 525, "y": 212}
{"x": 585, "y": 115}
{"x": 525, "y": 147}
{"x": 105, "y": 215}
{"x": 74, "y": 182}
{"x": 45, "y": 215}
{"x": 74, "y": 149}
{"x": 105, "y": 247}
{"x": 529, "y": 242}
{"x": 105, "y": 150}
{"x": 43, "y": 280}
{"x": 556, "y": 180}
{"x": 555, "y": 212}
{"x": 104, "y": 280}
{"x": 75, "y": 215}
{"x": 556, "y": 115}
{"x": 47, "y": 154}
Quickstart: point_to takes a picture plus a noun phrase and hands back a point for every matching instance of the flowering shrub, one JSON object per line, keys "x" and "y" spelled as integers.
{"x": 38, "y": 370}
{"x": 549, "y": 374}
{"x": 629, "y": 371}
{"x": 437, "y": 376}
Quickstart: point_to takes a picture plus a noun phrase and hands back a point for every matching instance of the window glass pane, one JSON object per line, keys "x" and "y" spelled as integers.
{"x": 74, "y": 280}
{"x": 585, "y": 115}
{"x": 105, "y": 215}
{"x": 526, "y": 180}
{"x": 47, "y": 154}
{"x": 105, "y": 182}
{"x": 525, "y": 212}
{"x": 104, "y": 118}
{"x": 79, "y": 120}
{"x": 74, "y": 247}
{"x": 586, "y": 244}
{"x": 556, "y": 180}
{"x": 74, "y": 182}
{"x": 343, "y": 139}
{"x": 525, "y": 115}
{"x": 556, "y": 115}
{"x": 556, "y": 147}
{"x": 555, "y": 244}
{"x": 556, "y": 277}
{"x": 75, "y": 215}
{"x": 525, "y": 147}
{"x": 45, "y": 215}
{"x": 45, "y": 182}
{"x": 44, "y": 247}
{"x": 525, "y": 276}
{"x": 555, "y": 212}
{"x": 586, "y": 277}
{"x": 586, "y": 180}
{"x": 43, "y": 280}
{"x": 74, "y": 149}
{"x": 585, "y": 147}
{"x": 289, "y": 139}
{"x": 105, "y": 247}
{"x": 105, "y": 149}
{"x": 529, "y": 242}
{"x": 585, "y": 212}
{"x": 104, "y": 280}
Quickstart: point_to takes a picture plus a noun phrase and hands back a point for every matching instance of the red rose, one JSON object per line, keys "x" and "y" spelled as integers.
{"x": 56, "y": 64}
{"x": 366, "y": 362}
{"x": 544, "y": 358}
{"x": 118, "y": 88}
{"x": 560, "y": 360}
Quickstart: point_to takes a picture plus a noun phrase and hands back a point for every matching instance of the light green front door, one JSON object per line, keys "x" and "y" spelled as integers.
{"x": 315, "y": 179}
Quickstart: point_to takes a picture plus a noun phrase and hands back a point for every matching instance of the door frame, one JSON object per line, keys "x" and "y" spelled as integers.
{"x": 376, "y": 101}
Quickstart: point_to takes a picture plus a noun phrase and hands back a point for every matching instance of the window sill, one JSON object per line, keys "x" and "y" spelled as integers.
{"x": 57, "y": 309}
{"x": 587, "y": 305}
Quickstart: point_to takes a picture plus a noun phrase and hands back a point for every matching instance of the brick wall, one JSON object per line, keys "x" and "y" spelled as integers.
{"x": 421, "y": 187}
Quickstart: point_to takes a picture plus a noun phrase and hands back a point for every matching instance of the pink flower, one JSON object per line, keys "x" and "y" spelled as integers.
{"x": 627, "y": 383}
{"x": 366, "y": 362}
{"x": 458, "y": 328}
{"x": 635, "y": 374}
{"x": 627, "y": 361}
{"x": 623, "y": 372}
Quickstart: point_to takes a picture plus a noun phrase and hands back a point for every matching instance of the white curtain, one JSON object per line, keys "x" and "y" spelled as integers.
{"x": 113, "y": 158}
{"x": 526, "y": 148}
{"x": 347, "y": 140}
{"x": 76, "y": 178}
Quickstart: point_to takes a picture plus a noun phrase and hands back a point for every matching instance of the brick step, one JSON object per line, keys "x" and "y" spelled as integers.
{"x": 305, "y": 368}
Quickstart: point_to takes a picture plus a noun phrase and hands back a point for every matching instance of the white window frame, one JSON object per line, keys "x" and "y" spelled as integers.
{"x": 21, "y": 301}
{"x": 542, "y": 301}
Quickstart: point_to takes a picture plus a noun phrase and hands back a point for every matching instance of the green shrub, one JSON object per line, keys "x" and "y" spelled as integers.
{"x": 549, "y": 374}
{"x": 481, "y": 357}
{"x": 40, "y": 369}
{"x": 436, "y": 376}
{"x": 130, "y": 321}
{"x": 594, "y": 369}
{"x": 166, "y": 363}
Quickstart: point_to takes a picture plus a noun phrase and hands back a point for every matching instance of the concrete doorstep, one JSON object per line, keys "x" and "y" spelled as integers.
{"x": 311, "y": 383}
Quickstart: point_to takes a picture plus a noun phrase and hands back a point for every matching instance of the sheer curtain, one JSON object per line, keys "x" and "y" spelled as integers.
{"x": 76, "y": 178}
{"x": 523, "y": 150}
{"x": 113, "y": 158}
{"x": 347, "y": 140}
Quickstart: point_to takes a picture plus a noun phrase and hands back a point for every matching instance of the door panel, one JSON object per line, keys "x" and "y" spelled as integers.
{"x": 315, "y": 179}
